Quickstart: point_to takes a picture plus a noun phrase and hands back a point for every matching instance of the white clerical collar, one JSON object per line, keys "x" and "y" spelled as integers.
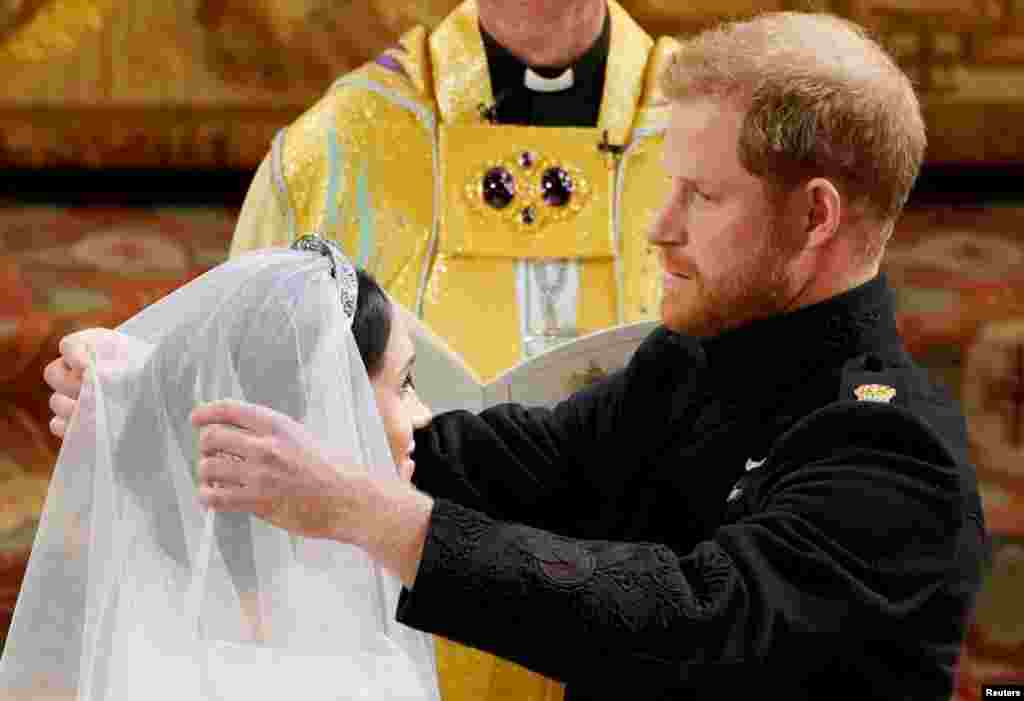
{"x": 538, "y": 83}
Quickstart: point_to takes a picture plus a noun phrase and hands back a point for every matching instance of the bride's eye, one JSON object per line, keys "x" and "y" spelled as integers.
{"x": 408, "y": 383}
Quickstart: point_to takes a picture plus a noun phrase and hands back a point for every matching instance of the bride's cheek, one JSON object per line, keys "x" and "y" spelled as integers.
{"x": 406, "y": 468}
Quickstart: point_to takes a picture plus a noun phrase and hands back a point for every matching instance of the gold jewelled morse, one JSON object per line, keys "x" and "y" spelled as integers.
{"x": 875, "y": 393}
{"x": 528, "y": 191}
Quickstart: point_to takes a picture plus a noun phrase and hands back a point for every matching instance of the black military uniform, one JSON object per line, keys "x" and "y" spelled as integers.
{"x": 784, "y": 509}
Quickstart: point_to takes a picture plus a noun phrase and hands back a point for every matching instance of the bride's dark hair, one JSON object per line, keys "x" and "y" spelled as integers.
{"x": 371, "y": 326}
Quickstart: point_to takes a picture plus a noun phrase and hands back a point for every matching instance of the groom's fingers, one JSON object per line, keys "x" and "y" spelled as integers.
{"x": 58, "y": 426}
{"x": 63, "y": 379}
{"x": 217, "y": 439}
{"x": 62, "y": 405}
{"x": 251, "y": 417}
{"x": 74, "y": 350}
{"x": 227, "y": 498}
{"x": 225, "y": 469}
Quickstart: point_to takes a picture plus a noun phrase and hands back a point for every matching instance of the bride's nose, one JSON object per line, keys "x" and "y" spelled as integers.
{"x": 421, "y": 414}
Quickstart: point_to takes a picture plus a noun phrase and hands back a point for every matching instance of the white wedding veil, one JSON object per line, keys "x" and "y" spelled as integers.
{"x": 134, "y": 590}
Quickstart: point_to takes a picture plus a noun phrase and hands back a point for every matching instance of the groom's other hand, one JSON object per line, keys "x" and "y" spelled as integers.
{"x": 114, "y": 353}
{"x": 64, "y": 376}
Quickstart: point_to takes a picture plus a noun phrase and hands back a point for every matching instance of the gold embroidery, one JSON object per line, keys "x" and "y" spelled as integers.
{"x": 527, "y": 209}
{"x": 875, "y": 393}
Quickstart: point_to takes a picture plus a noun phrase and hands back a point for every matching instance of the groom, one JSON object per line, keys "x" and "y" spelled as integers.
{"x": 770, "y": 496}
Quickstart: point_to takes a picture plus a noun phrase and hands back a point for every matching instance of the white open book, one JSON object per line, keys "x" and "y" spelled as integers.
{"x": 445, "y": 382}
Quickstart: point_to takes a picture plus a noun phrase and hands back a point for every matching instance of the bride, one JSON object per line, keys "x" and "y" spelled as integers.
{"x": 134, "y": 590}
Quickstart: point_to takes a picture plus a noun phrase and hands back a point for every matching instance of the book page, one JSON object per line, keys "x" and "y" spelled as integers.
{"x": 445, "y": 382}
{"x": 550, "y": 377}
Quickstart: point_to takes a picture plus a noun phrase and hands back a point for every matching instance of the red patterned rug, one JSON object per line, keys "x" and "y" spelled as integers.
{"x": 62, "y": 269}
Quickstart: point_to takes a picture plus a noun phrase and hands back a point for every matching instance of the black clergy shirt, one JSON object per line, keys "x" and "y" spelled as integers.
{"x": 579, "y": 106}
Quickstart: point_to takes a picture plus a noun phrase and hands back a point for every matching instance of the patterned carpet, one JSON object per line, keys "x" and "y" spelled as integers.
{"x": 63, "y": 269}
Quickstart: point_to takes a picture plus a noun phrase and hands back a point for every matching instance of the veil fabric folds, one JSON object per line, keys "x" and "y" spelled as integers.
{"x": 135, "y": 591}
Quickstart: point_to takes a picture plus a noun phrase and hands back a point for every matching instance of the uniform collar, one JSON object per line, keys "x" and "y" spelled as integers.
{"x": 786, "y": 347}
{"x": 462, "y": 81}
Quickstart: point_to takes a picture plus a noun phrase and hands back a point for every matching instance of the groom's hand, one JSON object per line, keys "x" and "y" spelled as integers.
{"x": 64, "y": 375}
{"x": 115, "y": 352}
{"x": 257, "y": 460}
{"x": 65, "y": 378}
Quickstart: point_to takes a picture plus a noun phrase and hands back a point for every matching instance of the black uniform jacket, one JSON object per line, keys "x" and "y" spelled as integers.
{"x": 786, "y": 509}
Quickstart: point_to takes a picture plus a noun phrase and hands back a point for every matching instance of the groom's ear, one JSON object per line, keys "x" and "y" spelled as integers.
{"x": 824, "y": 211}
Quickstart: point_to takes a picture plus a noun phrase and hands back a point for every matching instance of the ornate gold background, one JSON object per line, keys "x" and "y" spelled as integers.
{"x": 207, "y": 82}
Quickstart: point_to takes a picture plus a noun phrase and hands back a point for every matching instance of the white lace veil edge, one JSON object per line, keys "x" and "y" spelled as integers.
{"x": 133, "y": 590}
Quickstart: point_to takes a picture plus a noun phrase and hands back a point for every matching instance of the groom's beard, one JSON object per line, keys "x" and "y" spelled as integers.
{"x": 759, "y": 288}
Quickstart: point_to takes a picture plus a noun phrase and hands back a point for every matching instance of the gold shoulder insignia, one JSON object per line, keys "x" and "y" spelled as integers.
{"x": 875, "y": 393}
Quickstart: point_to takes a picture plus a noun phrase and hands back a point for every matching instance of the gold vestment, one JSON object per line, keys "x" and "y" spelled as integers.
{"x": 390, "y": 163}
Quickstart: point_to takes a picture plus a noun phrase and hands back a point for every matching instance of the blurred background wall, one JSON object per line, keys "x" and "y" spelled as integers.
{"x": 129, "y": 131}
